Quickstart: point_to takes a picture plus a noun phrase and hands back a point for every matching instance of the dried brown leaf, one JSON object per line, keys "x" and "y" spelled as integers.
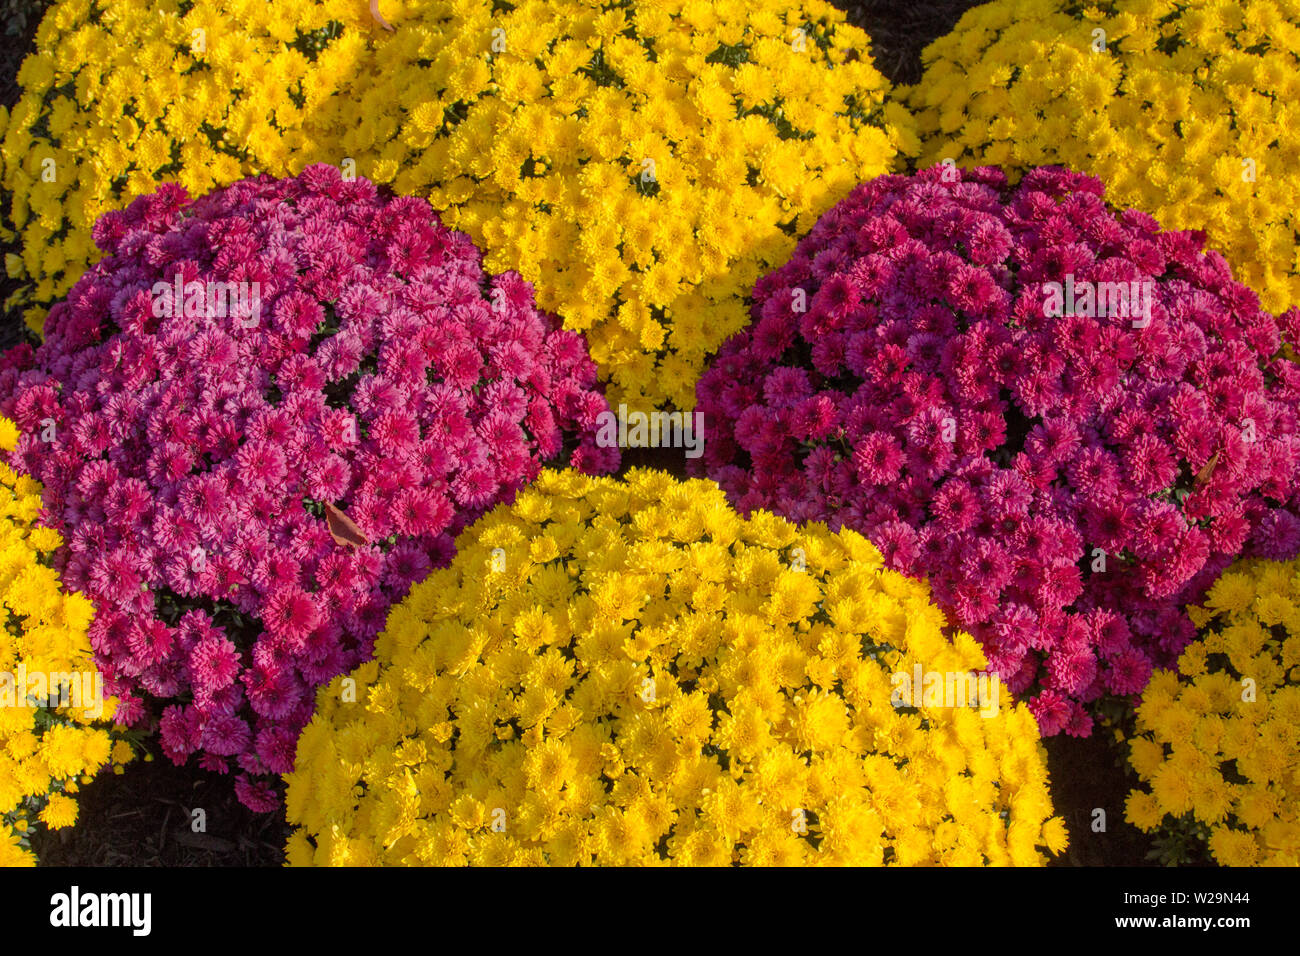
{"x": 343, "y": 529}
{"x": 1207, "y": 472}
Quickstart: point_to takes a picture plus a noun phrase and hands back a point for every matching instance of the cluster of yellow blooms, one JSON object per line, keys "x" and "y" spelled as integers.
{"x": 124, "y": 94}
{"x": 47, "y": 746}
{"x": 1218, "y": 744}
{"x": 640, "y": 163}
{"x": 1186, "y": 111}
{"x": 627, "y": 672}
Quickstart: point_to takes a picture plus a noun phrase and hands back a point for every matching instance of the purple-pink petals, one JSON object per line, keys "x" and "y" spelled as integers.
{"x": 1067, "y": 477}
{"x": 329, "y": 346}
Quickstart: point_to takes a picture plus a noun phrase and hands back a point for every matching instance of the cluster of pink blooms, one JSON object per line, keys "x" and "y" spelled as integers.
{"x": 248, "y": 474}
{"x": 1068, "y": 482}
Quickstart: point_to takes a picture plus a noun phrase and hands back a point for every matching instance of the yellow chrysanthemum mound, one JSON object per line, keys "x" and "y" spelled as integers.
{"x": 55, "y": 726}
{"x": 641, "y": 163}
{"x": 1187, "y": 111}
{"x": 1218, "y": 743}
{"x": 123, "y": 94}
{"x": 627, "y": 672}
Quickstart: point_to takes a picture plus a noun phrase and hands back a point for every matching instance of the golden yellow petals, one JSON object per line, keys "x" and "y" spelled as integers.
{"x": 643, "y": 696}
{"x": 49, "y": 744}
{"x": 1220, "y": 739}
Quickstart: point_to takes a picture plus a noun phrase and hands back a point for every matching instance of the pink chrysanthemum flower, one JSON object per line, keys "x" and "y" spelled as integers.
{"x": 1067, "y": 419}
{"x": 332, "y": 351}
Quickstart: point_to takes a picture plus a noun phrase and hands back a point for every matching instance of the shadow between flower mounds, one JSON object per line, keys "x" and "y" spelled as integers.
{"x": 143, "y": 817}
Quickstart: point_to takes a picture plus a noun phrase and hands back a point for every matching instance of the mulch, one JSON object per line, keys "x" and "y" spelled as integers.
{"x": 158, "y": 814}
{"x": 901, "y": 29}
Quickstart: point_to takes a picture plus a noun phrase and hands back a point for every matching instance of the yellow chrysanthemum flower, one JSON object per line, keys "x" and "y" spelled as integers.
{"x": 527, "y": 125}
{"x": 112, "y": 108}
{"x": 49, "y": 740}
{"x": 1220, "y": 741}
{"x": 1182, "y": 114}
{"x": 672, "y": 701}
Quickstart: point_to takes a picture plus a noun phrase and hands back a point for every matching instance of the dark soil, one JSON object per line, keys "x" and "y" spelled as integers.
{"x": 146, "y": 817}
{"x": 20, "y": 20}
{"x": 1088, "y": 775}
{"x": 901, "y": 29}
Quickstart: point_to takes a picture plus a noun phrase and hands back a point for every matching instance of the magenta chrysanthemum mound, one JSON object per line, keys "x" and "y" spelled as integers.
{"x": 249, "y": 474}
{"x": 1067, "y": 419}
